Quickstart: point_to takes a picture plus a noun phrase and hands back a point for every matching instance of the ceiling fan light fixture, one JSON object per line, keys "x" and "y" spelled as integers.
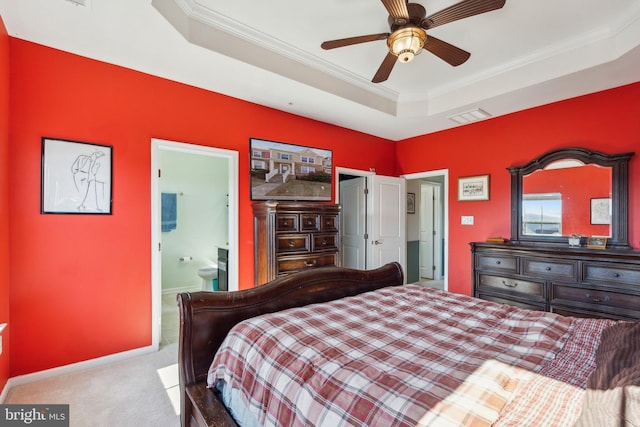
{"x": 407, "y": 42}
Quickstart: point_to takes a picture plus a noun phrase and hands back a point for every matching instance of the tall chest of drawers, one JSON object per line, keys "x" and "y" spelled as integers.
{"x": 575, "y": 282}
{"x": 290, "y": 237}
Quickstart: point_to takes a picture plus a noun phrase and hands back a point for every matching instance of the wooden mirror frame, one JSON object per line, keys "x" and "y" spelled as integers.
{"x": 619, "y": 164}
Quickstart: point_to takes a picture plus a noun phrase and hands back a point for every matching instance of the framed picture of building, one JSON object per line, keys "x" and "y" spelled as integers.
{"x": 283, "y": 171}
{"x": 472, "y": 188}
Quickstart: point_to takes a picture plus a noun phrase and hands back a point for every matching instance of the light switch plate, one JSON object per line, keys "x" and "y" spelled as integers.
{"x": 467, "y": 220}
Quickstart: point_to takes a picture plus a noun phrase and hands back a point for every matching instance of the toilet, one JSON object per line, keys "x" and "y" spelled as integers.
{"x": 209, "y": 273}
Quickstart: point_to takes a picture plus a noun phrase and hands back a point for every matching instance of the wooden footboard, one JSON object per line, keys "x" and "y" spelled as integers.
{"x": 207, "y": 317}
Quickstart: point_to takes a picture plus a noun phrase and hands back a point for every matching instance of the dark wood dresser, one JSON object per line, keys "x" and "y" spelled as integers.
{"x": 570, "y": 281}
{"x": 290, "y": 237}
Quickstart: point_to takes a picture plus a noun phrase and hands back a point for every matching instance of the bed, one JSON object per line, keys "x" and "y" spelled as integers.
{"x": 334, "y": 346}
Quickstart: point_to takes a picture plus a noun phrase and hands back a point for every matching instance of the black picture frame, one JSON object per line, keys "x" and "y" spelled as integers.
{"x": 601, "y": 211}
{"x": 411, "y": 203}
{"x": 76, "y": 177}
{"x": 283, "y": 171}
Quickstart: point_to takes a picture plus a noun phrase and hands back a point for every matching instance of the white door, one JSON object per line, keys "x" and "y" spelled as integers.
{"x": 386, "y": 214}
{"x": 425, "y": 211}
{"x": 353, "y": 201}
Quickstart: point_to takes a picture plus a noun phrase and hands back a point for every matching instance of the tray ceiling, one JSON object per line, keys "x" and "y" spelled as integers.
{"x": 526, "y": 54}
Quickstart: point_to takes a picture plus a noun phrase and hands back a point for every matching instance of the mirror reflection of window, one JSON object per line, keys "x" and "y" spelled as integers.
{"x": 542, "y": 214}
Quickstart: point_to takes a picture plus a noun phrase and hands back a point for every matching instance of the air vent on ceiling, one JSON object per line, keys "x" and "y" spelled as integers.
{"x": 469, "y": 116}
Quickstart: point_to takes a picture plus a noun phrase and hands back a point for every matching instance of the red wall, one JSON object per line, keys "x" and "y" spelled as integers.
{"x": 81, "y": 284}
{"x": 4, "y": 200}
{"x": 605, "y": 121}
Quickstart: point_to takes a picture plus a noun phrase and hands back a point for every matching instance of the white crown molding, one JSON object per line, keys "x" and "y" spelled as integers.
{"x": 197, "y": 12}
{"x": 555, "y": 61}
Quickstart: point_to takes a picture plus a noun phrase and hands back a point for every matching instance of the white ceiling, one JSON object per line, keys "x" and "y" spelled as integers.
{"x": 526, "y": 54}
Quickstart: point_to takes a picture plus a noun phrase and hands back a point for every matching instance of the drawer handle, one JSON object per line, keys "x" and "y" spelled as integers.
{"x": 548, "y": 268}
{"x": 285, "y": 222}
{"x": 509, "y": 285}
{"x": 591, "y": 298}
{"x": 324, "y": 242}
{"x": 498, "y": 262}
{"x": 309, "y": 222}
{"x": 291, "y": 243}
{"x": 616, "y": 274}
{"x": 328, "y": 222}
{"x": 310, "y": 263}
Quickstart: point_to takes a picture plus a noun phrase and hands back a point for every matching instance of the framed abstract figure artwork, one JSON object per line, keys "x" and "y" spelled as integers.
{"x": 76, "y": 177}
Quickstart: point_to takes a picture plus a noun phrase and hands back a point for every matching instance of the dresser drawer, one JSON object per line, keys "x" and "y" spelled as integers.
{"x": 588, "y": 313}
{"x": 330, "y": 223}
{"x": 506, "y": 285}
{"x": 497, "y": 263}
{"x": 324, "y": 242}
{"x": 582, "y": 295}
{"x": 293, "y": 243}
{"x": 521, "y": 304}
{"x": 289, "y": 264}
{"x": 610, "y": 273}
{"x": 287, "y": 222}
{"x": 550, "y": 269}
{"x": 309, "y": 222}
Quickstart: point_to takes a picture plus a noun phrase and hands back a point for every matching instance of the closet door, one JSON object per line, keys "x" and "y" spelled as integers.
{"x": 387, "y": 208}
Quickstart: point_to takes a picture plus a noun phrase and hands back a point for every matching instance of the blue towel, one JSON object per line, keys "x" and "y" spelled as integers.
{"x": 169, "y": 211}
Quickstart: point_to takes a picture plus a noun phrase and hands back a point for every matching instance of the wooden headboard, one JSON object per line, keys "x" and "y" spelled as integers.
{"x": 207, "y": 317}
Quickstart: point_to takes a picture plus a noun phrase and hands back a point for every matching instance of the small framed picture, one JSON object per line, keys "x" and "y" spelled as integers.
{"x": 76, "y": 177}
{"x": 471, "y": 188}
{"x": 597, "y": 242}
{"x": 601, "y": 210}
{"x": 411, "y": 203}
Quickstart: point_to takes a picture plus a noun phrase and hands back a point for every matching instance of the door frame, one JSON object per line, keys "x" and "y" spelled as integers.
{"x": 158, "y": 145}
{"x": 437, "y": 225}
{"x": 445, "y": 232}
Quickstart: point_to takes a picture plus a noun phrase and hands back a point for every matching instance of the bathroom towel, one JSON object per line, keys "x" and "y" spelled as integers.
{"x": 169, "y": 211}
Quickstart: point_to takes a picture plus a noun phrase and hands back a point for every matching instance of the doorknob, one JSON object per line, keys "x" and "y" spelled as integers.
{"x": 377, "y": 242}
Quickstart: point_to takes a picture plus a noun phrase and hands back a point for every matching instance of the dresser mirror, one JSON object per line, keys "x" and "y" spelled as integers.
{"x": 570, "y": 192}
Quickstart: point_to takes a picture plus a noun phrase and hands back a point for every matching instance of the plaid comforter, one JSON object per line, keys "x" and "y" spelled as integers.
{"x": 409, "y": 356}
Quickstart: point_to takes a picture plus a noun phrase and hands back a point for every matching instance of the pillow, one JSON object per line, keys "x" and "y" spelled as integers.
{"x": 612, "y": 397}
{"x": 617, "y": 357}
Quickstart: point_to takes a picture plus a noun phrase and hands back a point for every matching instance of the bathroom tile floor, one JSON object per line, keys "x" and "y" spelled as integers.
{"x": 437, "y": 284}
{"x": 170, "y": 320}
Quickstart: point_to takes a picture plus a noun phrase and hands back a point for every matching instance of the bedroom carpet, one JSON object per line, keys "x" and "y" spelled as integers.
{"x": 138, "y": 392}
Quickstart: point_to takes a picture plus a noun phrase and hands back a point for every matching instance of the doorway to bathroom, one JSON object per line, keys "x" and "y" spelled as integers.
{"x": 194, "y": 220}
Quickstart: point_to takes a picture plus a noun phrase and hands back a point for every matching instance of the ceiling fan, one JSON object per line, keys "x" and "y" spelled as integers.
{"x": 408, "y": 37}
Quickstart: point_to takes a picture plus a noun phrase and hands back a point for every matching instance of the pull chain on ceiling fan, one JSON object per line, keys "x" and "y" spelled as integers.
{"x": 408, "y": 37}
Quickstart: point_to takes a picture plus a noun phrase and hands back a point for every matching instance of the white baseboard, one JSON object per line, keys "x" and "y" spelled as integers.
{"x": 4, "y": 393}
{"x": 75, "y": 367}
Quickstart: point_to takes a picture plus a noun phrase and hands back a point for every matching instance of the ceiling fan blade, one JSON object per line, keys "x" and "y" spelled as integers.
{"x": 464, "y": 9}
{"x": 332, "y": 44}
{"x": 445, "y": 51}
{"x": 397, "y": 10}
{"x": 385, "y": 68}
